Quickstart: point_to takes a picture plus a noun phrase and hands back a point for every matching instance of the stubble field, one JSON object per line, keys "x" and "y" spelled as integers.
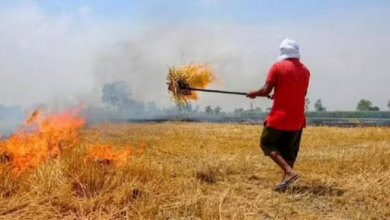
{"x": 207, "y": 171}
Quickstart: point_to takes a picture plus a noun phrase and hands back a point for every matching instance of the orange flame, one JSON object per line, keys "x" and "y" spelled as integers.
{"x": 141, "y": 148}
{"x": 104, "y": 153}
{"x": 53, "y": 134}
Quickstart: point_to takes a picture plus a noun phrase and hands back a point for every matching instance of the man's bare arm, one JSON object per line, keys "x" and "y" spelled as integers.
{"x": 263, "y": 91}
{"x": 266, "y": 89}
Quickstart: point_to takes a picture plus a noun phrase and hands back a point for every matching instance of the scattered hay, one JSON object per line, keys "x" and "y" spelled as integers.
{"x": 194, "y": 75}
{"x": 206, "y": 171}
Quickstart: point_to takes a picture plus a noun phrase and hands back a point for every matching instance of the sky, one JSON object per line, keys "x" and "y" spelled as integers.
{"x": 62, "y": 52}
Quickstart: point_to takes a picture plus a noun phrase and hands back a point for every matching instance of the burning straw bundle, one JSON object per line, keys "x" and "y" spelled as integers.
{"x": 193, "y": 75}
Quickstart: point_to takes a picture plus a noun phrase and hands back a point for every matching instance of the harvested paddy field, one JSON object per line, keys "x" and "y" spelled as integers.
{"x": 204, "y": 171}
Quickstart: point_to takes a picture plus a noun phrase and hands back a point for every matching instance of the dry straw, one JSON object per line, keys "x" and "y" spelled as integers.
{"x": 195, "y": 75}
{"x": 207, "y": 171}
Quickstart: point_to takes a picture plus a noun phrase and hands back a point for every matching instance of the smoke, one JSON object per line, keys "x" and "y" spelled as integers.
{"x": 10, "y": 118}
{"x": 345, "y": 59}
{"x": 66, "y": 58}
{"x": 46, "y": 58}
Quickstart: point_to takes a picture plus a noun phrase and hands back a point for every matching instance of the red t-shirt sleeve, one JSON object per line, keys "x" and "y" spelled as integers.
{"x": 272, "y": 74}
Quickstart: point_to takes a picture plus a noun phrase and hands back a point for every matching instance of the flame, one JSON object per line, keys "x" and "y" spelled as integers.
{"x": 104, "y": 153}
{"x": 141, "y": 148}
{"x": 45, "y": 136}
{"x": 53, "y": 133}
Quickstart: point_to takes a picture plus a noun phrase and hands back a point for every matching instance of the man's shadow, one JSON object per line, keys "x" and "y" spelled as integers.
{"x": 315, "y": 190}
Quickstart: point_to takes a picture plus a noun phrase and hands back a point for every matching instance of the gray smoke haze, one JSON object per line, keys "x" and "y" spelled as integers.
{"x": 346, "y": 60}
{"x": 66, "y": 59}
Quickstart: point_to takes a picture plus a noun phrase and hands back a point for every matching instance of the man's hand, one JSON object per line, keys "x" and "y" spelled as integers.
{"x": 252, "y": 94}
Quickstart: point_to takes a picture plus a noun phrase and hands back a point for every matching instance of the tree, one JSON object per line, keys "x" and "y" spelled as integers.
{"x": 258, "y": 110}
{"x": 307, "y": 100}
{"x": 209, "y": 110}
{"x": 364, "y": 105}
{"x": 188, "y": 107}
{"x": 318, "y": 106}
{"x": 375, "y": 108}
{"x": 116, "y": 94}
{"x": 217, "y": 110}
{"x": 238, "y": 110}
{"x": 388, "y": 104}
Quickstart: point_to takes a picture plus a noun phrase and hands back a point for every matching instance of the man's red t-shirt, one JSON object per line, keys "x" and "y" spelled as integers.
{"x": 291, "y": 80}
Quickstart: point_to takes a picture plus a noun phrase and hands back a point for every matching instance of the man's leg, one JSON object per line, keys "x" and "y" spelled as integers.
{"x": 290, "y": 148}
{"x": 288, "y": 172}
{"x": 271, "y": 141}
{"x": 294, "y": 149}
{"x": 291, "y": 164}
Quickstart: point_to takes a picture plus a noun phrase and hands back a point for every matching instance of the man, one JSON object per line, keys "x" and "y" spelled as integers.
{"x": 281, "y": 136}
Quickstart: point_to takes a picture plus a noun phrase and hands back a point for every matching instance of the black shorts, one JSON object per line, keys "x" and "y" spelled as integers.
{"x": 286, "y": 143}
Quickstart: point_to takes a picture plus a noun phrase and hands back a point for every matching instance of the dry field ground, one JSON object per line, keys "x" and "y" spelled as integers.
{"x": 208, "y": 171}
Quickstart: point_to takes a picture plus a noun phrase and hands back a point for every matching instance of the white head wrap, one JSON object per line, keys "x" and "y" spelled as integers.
{"x": 289, "y": 48}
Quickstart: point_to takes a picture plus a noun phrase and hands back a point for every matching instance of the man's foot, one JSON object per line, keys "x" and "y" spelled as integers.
{"x": 286, "y": 182}
{"x": 289, "y": 175}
